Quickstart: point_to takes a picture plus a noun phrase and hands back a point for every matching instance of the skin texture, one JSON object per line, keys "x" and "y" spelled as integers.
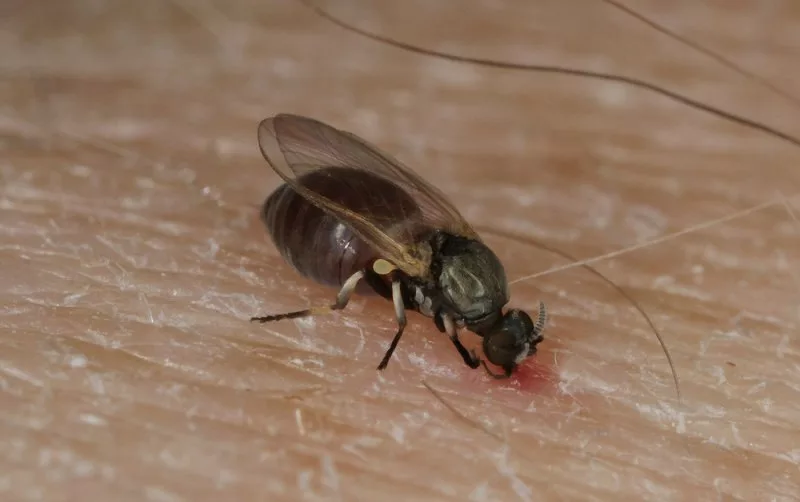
{"x": 131, "y": 255}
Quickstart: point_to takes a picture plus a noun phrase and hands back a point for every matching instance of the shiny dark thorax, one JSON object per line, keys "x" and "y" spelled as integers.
{"x": 470, "y": 279}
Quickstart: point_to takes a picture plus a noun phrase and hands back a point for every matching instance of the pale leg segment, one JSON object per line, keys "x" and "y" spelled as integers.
{"x": 450, "y": 328}
{"x": 400, "y": 313}
{"x": 342, "y": 299}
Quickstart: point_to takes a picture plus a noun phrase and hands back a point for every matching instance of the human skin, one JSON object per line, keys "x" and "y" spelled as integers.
{"x": 132, "y": 256}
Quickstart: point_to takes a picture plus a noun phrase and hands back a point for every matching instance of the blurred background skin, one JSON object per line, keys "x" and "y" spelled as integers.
{"x": 132, "y": 256}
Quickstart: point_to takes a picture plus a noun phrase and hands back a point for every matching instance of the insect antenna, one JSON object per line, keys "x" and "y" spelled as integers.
{"x": 541, "y": 321}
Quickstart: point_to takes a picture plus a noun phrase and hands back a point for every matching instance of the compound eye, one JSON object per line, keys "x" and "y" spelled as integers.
{"x": 512, "y": 339}
{"x": 504, "y": 349}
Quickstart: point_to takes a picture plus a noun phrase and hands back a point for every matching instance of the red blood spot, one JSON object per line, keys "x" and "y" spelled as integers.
{"x": 536, "y": 375}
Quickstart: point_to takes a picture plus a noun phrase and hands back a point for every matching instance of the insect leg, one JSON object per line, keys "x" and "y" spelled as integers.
{"x": 450, "y": 328}
{"x": 499, "y": 376}
{"x": 400, "y": 313}
{"x": 507, "y": 370}
{"x": 342, "y": 299}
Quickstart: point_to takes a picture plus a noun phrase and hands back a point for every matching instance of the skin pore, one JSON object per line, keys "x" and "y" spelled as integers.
{"x": 133, "y": 255}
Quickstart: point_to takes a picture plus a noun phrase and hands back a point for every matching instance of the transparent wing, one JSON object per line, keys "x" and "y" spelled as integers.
{"x": 296, "y": 146}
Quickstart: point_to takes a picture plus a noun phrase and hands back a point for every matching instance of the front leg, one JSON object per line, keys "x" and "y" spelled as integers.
{"x": 507, "y": 370}
{"x": 450, "y": 328}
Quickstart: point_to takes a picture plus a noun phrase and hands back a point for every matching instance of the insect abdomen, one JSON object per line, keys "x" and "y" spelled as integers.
{"x": 320, "y": 246}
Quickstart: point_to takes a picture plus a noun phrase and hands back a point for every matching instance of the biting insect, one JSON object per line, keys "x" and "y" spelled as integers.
{"x": 353, "y": 217}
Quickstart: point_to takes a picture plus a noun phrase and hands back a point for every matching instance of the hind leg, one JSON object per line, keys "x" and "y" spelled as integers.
{"x": 342, "y": 299}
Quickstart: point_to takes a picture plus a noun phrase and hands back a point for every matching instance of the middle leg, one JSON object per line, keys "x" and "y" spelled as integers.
{"x": 400, "y": 313}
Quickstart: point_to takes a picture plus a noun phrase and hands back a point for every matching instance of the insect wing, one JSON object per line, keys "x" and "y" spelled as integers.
{"x": 295, "y": 146}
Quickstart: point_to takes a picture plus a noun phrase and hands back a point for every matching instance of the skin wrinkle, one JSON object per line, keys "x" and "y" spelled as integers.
{"x": 564, "y": 449}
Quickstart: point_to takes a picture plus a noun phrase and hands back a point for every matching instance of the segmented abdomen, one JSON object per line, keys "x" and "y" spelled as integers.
{"x": 320, "y": 246}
